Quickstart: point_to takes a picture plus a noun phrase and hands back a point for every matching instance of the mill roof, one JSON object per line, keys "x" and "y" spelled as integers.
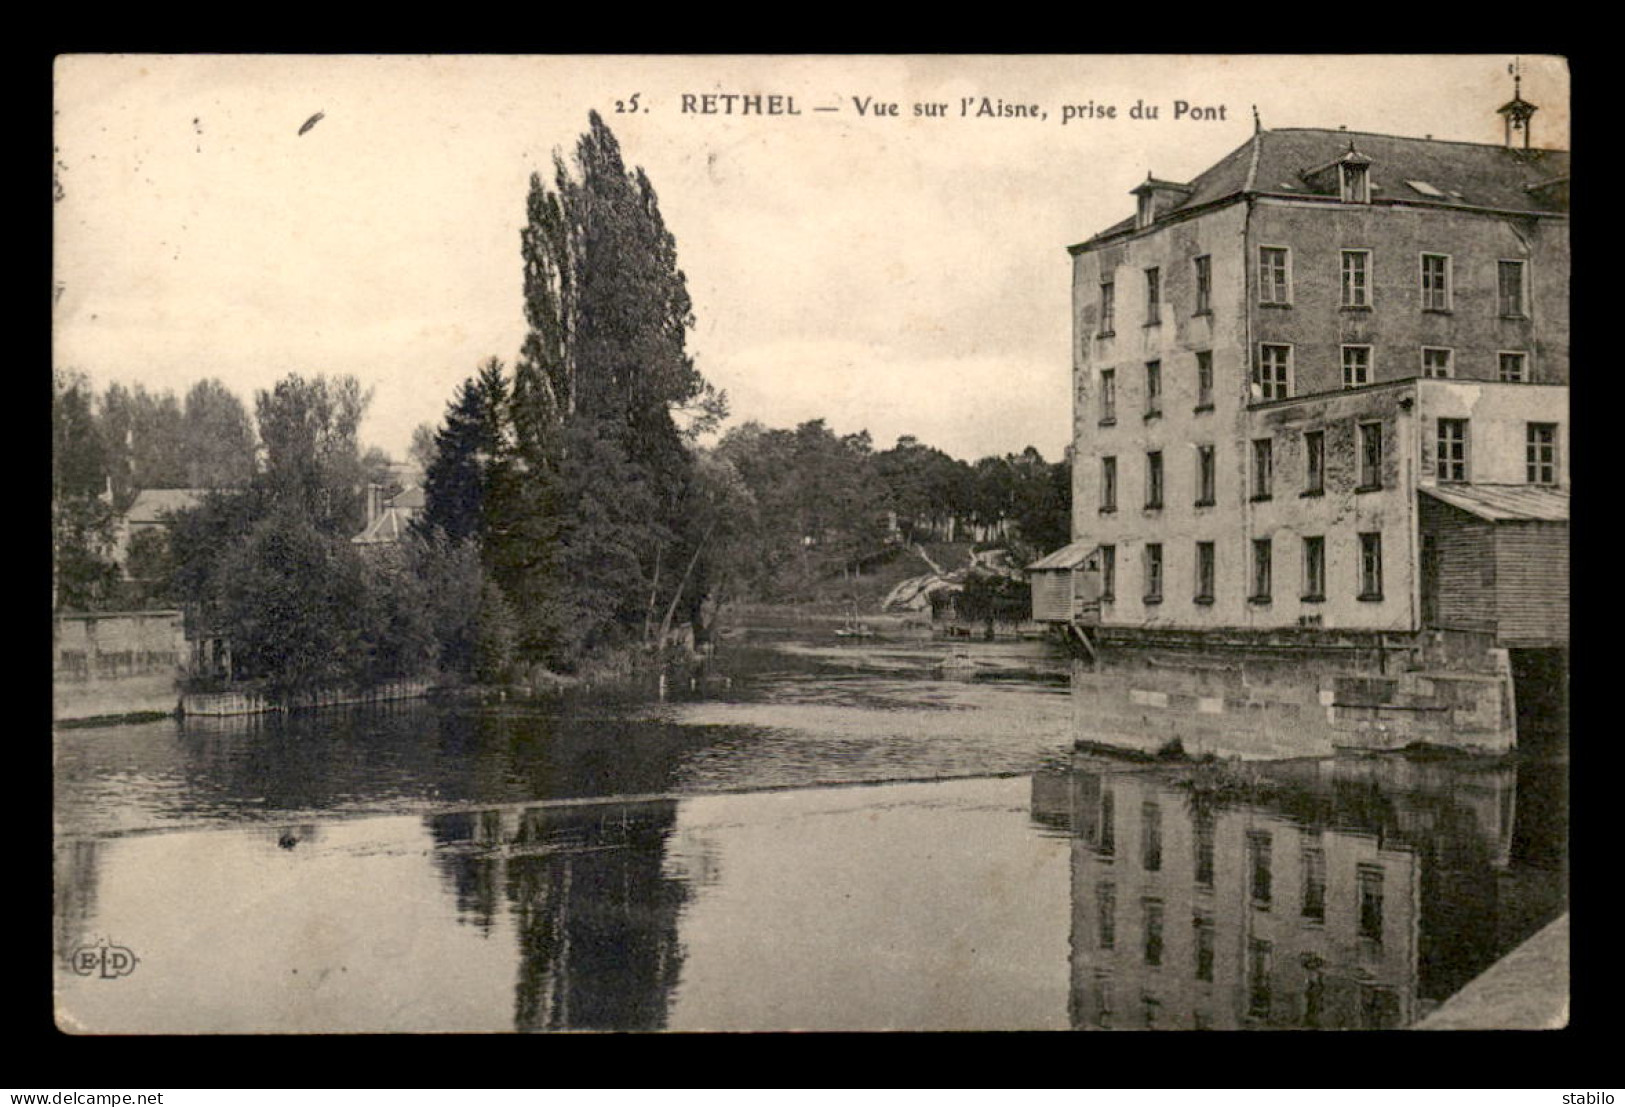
{"x": 1450, "y": 174}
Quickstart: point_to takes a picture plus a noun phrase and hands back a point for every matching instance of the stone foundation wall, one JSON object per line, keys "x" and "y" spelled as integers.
{"x": 1258, "y": 704}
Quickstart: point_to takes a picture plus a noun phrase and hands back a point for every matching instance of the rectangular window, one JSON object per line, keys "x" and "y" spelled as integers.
{"x": 1206, "y": 476}
{"x": 1204, "y": 572}
{"x": 1314, "y": 567}
{"x": 1108, "y": 484}
{"x": 1203, "y": 825}
{"x": 1153, "y": 296}
{"x": 1356, "y": 278}
{"x": 1379, "y": 1008}
{"x": 1436, "y": 362}
{"x": 1314, "y": 999}
{"x": 1273, "y": 378}
{"x": 1204, "y": 285}
{"x": 1108, "y": 395}
{"x": 1153, "y": 572}
{"x": 1103, "y": 1002}
{"x": 1451, "y": 455}
{"x": 1108, "y": 308}
{"x": 1514, "y": 366}
{"x": 1355, "y": 180}
{"x": 1259, "y": 955}
{"x": 1263, "y": 468}
{"x": 1153, "y": 931}
{"x": 1258, "y": 866}
{"x": 1108, "y": 821}
{"x": 1204, "y": 947}
{"x": 1108, "y": 573}
{"x": 1151, "y": 836}
{"x": 1370, "y": 456}
{"x": 1274, "y": 276}
{"x": 1540, "y": 453}
{"x": 1153, "y": 388}
{"x": 1435, "y": 282}
{"x": 1314, "y": 883}
{"x": 1510, "y": 289}
{"x": 1356, "y": 366}
{"x": 1369, "y": 879}
{"x": 1204, "y": 378}
{"x": 1371, "y": 566}
{"x": 1106, "y": 915}
{"x": 1261, "y": 570}
{"x": 1314, "y": 462}
{"x": 1153, "y": 479}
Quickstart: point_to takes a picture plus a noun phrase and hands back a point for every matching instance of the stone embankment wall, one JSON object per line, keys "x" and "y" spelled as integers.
{"x": 117, "y": 663}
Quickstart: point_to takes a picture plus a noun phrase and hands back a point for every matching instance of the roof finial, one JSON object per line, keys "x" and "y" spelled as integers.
{"x": 1517, "y": 111}
{"x": 1257, "y": 126}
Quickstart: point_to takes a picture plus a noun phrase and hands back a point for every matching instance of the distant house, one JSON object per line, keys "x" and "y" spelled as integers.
{"x": 389, "y": 517}
{"x": 153, "y": 510}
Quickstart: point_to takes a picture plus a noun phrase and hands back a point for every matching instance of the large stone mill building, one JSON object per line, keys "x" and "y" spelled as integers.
{"x": 1320, "y": 448}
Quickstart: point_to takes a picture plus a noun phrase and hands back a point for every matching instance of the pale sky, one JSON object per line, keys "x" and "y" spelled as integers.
{"x": 901, "y": 275}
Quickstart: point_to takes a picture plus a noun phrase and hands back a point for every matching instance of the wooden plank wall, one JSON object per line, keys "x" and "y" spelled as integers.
{"x": 1532, "y": 583}
{"x": 1467, "y": 565}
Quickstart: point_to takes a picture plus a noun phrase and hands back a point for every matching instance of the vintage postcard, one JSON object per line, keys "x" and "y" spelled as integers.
{"x": 779, "y": 543}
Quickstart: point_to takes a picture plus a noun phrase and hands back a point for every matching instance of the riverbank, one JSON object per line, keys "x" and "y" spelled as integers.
{"x": 1528, "y": 989}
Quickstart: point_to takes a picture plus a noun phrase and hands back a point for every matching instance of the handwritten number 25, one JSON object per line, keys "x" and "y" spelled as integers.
{"x": 626, "y": 107}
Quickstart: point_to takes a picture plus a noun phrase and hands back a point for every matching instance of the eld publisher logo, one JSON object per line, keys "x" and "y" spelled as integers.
{"x": 105, "y": 960}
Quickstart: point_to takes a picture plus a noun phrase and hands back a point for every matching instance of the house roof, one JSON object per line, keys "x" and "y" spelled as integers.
{"x": 1500, "y": 503}
{"x": 152, "y": 504}
{"x": 1067, "y": 557}
{"x": 390, "y": 526}
{"x": 412, "y": 499}
{"x": 1460, "y": 174}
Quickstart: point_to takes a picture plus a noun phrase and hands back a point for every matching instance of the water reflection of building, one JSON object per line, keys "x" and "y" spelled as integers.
{"x": 78, "y": 876}
{"x": 1337, "y": 895}
{"x": 595, "y": 912}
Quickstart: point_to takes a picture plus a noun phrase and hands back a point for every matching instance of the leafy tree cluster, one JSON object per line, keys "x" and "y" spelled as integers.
{"x": 825, "y": 503}
{"x": 108, "y": 448}
{"x": 273, "y": 567}
{"x": 84, "y": 574}
{"x": 573, "y": 474}
{"x": 154, "y": 440}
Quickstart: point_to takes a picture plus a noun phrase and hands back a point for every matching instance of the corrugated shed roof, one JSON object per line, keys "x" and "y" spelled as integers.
{"x": 1465, "y": 174}
{"x": 1506, "y": 502}
{"x": 1067, "y": 557}
{"x": 152, "y": 504}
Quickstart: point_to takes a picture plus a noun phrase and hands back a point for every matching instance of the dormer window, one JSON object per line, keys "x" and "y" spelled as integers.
{"x": 1154, "y": 197}
{"x": 1356, "y": 183}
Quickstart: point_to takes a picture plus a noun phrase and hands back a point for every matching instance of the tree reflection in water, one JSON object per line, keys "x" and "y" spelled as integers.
{"x": 595, "y": 912}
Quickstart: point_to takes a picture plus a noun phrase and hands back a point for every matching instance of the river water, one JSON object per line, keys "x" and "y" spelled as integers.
{"x": 820, "y": 834}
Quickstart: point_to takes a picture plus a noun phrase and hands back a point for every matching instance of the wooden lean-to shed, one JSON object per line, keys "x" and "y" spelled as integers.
{"x": 1496, "y": 558}
{"x": 1066, "y": 585}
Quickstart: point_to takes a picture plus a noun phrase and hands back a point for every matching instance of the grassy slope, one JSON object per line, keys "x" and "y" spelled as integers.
{"x": 867, "y": 589}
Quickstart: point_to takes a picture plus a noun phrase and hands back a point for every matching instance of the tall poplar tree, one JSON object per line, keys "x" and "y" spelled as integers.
{"x": 603, "y": 373}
